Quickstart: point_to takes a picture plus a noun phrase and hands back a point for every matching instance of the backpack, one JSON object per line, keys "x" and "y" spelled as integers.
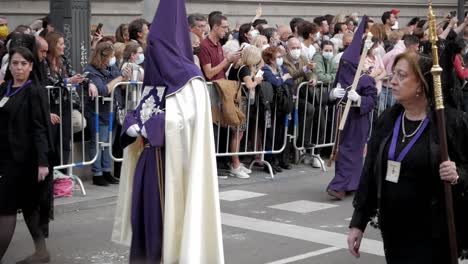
{"x": 228, "y": 112}
{"x": 284, "y": 99}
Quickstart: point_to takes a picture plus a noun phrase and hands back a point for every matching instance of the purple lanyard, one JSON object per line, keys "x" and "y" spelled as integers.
{"x": 8, "y": 94}
{"x": 404, "y": 152}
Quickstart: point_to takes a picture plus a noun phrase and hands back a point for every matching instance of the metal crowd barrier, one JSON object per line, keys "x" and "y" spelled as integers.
{"x": 315, "y": 122}
{"x": 133, "y": 91}
{"x": 257, "y": 134}
{"x": 72, "y": 162}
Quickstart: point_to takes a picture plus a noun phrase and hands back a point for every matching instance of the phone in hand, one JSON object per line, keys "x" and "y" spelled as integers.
{"x": 85, "y": 74}
{"x": 453, "y": 14}
{"x": 259, "y": 73}
{"x": 99, "y": 28}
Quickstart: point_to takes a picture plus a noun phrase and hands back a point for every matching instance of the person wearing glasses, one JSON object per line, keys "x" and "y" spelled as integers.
{"x": 401, "y": 186}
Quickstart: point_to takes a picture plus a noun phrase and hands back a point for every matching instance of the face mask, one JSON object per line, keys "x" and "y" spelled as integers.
{"x": 295, "y": 53}
{"x": 328, "y": 55}
{"x": 112, "y": 61}
{"x": 140, "y": 59}
{"x": 196, "y": 50}
{"x": 264, "y": 47}
{"x": 254, "y": 33}
{"x": 279, "y": 62}
{"x": 317, "y": 36}
{"x": 4, "y": 32}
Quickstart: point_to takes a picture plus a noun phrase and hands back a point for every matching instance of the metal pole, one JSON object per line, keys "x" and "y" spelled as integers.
{"x": 461, "y": 11}
{"x": 72, "y": 18}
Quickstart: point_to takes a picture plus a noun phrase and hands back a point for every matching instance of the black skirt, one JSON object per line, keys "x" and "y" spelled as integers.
{"x": 18, "y": 189}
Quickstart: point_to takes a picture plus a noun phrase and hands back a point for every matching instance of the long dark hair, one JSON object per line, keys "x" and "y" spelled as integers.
{"x": 244, "y": 29}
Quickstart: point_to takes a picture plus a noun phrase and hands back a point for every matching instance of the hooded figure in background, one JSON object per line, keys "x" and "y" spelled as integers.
{"x": 171, "y": 195}
{"x": 348, "y": 166}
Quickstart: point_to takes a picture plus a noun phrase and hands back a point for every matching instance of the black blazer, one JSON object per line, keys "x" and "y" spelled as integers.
{"x": 29, "y": 126}
{"x": 368, "y": 196}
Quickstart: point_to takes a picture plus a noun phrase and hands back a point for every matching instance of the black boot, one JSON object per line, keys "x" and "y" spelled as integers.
{"x": 109, "y": 178}
{"x": 100, "y": 181}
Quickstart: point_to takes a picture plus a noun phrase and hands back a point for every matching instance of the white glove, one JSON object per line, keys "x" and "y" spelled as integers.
{"x": 143, "y": 132}
{"x": 133, "y": 131}
{"x": 337, "y": 92}
{"x": 353, "y": 96}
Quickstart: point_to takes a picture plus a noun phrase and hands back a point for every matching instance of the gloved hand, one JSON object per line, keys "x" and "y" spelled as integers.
{"x": 133, "y": 131}
{"x": 337, "y": 92}
{"x": 143, "y": 132}
{"x": 353, "y": 96}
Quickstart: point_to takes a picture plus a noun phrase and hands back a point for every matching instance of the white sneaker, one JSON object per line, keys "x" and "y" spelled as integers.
{"x": 245, "y": 169}
{"x": 239, "y": 173}
{"x": 316, "y": 162}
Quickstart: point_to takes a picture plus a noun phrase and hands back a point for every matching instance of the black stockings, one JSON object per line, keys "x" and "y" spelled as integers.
{"x": 8, "y": 225}
{"x": 32, "y": 219}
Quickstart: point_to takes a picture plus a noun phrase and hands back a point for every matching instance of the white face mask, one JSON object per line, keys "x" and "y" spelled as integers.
{"x": 295, "y": 53}
{"x": 317, "y": 36}
{"x": 112, "y": 61}
{"x": 279, "y": 62}
{"x": 254, "y": 33}
{"x": 328, "y": 55}
{"x": 140, "y": 59}
{"x": 264, "y": 47}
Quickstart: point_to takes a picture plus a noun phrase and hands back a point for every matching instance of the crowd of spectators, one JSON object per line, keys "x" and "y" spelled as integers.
{"x": 255, "y": 53}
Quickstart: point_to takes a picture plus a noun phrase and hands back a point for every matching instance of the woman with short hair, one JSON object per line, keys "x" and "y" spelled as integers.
{"x": 105, "y": 75}
{"x": 402, "y": 179}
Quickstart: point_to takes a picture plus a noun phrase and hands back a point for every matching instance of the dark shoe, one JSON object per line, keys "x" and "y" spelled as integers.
{"x": 100, "y": 181}
{"x": 109, "y": 178}
{"x": 286, "y": 166}
{"x": 277, "y": 168}
{"x": 34, "y": 259}
{"x": 340, "y": 195}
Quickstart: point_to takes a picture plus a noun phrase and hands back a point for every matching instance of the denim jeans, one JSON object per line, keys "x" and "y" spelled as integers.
{"x": 103, "y": 161}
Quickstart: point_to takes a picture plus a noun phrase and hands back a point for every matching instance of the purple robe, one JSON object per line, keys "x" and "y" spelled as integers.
{"x": 349, "y": 164}
{"x": 148, "y": 186}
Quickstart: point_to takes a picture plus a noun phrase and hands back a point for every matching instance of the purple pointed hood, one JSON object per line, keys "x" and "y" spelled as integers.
{"x": 169, "y": 57}
{"x": 350, "y": 60}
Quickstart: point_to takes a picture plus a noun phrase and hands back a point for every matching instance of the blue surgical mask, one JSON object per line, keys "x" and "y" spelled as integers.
{"x": 279, "y": 62}
{"x": 112, "y": 61}
{"x": 328, "y": 55}
{"x": 140, "y": 59}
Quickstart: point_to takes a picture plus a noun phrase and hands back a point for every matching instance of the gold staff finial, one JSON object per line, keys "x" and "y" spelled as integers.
{"x": 436, "y": 69}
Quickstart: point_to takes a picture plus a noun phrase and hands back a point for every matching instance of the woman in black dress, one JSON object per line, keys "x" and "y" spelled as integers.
{"x": 402, "y": 178}
{"x": 24, "y": 150}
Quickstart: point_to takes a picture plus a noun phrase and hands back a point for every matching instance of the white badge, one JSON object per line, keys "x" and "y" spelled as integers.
{"x": 4, "y": 101}
{"x": 393, "y": 171}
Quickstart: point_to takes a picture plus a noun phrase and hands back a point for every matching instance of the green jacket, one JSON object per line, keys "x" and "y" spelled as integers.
{"x": 325, "y": 70}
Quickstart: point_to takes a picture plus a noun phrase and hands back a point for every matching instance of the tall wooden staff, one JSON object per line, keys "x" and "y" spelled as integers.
{"x": 440, "y": 118}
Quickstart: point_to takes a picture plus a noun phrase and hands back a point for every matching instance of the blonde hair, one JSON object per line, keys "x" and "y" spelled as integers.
{"x": 251, "y": 56}
{"x": 258, "y": 41}
{"x": 395, "y": 36}
{"x": 119, "y": 48}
